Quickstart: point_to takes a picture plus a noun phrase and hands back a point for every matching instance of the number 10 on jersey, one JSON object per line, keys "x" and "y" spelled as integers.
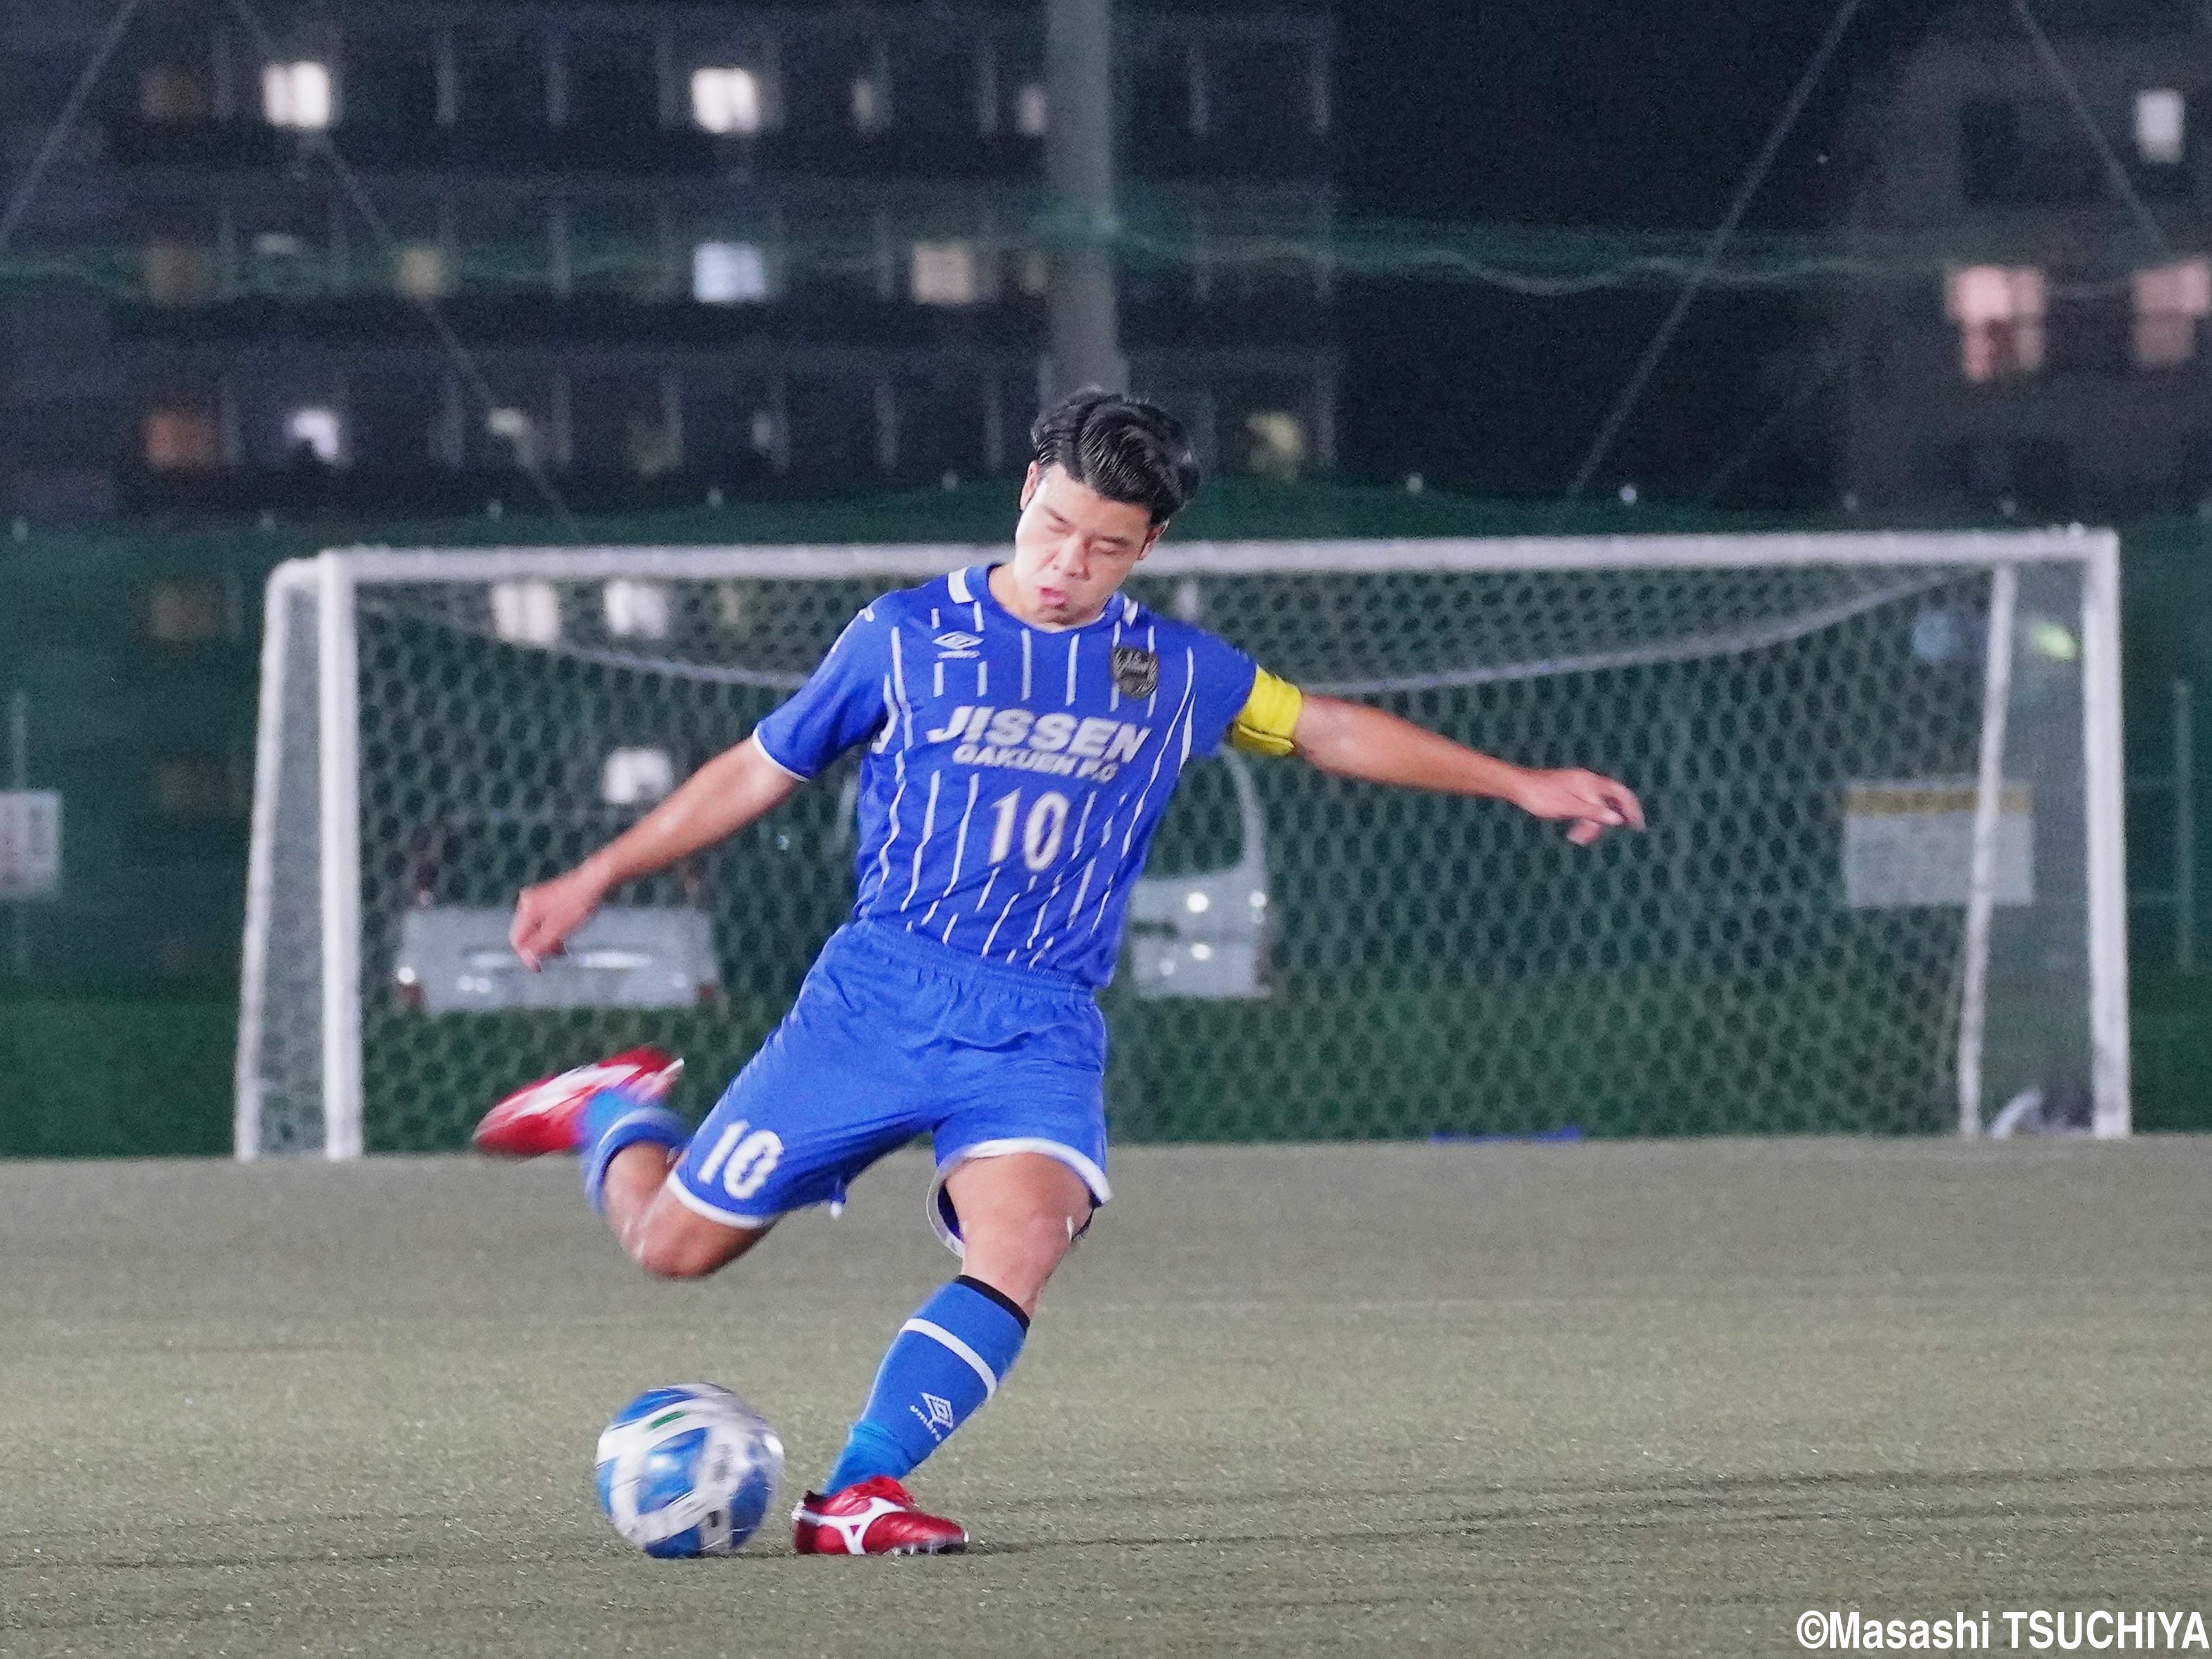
{"x": 1042, "y": 830}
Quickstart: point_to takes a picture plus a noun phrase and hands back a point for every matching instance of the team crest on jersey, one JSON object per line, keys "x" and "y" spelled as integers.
{"x": 957, "y": 644}
{"x": 1136, "y": 670}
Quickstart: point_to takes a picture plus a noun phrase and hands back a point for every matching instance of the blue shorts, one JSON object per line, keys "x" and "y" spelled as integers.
{"x": 894, "y": 1035}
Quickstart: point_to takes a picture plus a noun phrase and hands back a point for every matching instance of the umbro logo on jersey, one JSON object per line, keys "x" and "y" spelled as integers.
{"x": 1136, "y": 670}
{"x": 957, "y": 644}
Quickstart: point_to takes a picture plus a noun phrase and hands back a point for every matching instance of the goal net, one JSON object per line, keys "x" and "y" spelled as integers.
{"x": 1882, "y": 890}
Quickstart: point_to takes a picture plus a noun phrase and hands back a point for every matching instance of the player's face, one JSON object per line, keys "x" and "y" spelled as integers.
{"x": 1072, "y": 549}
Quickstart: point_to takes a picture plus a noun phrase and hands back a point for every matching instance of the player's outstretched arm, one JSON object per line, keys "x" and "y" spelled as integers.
{"x": 721, "y": 798}
{"x": 1351, "y": 741}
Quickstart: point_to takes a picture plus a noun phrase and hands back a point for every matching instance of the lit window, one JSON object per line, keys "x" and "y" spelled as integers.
{"x": 728, "y": 273}
{"x": 1279, "y": 444}
{"x": 651, "y": 447}
{"x": 296, "y": 94}
{"x": 515, "y": 428}
{"x": 2169, "y": 301}
{"x": 871, "y": 109}
{"x": 726, "y": 100}
{"x": 1030, "y": 110}
{"x": 315, "y": 432}
{"x": 636, "y": 609}
{"x": 632, "y": 777}
{"x": 526, "y": 612}
{"x": 1035, "y": 271}
{"x": 2161, "y": 126}
{"x": 420, "y": 271}
{"x": 182, "y": 441}
{"x": 179, "y": 273}
{"x": 944, "y": 274}
{"x": 764, "y": 431}
{"x": 1999, "y": 310}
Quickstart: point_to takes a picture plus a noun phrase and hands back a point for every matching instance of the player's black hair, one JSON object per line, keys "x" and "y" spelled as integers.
{"x": 1125, "y": 449}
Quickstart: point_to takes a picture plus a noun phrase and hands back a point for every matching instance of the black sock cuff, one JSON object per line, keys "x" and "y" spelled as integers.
{"x": 997, "y": 1295}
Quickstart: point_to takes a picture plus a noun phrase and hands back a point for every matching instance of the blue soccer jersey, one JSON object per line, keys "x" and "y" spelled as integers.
{"x": 1014, "y": 774}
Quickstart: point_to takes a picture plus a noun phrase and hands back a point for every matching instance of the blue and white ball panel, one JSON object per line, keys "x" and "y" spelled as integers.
{"x": 894, "y": 1036}
{"x": 687, "y": 1470}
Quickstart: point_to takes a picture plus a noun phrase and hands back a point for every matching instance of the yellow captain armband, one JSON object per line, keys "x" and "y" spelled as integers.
{"x": 1269, "y": 718}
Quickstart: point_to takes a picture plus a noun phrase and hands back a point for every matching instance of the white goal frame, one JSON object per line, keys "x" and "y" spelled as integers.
{"x": 332, "y": 581}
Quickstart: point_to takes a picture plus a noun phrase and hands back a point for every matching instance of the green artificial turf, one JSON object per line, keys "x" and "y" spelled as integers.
{"x": 1628, "y": 1398}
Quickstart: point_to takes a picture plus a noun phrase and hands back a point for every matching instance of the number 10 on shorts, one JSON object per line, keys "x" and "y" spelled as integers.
{"x": 743, "y": 1161}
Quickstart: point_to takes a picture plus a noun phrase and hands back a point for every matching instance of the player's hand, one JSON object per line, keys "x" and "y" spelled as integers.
{"x": 1595, "y": 804}
{"x": 544, "y": 915}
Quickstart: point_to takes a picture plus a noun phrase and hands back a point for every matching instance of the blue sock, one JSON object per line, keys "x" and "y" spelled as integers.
{"x": 612, "y": 1120}
{"x": 945, "y": 1361}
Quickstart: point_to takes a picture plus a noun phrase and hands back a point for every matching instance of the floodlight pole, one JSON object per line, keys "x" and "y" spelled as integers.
{"x": 1079, "y": 160}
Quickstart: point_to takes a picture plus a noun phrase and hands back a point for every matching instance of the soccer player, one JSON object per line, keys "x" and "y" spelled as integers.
{"x": 1025, "y": 724}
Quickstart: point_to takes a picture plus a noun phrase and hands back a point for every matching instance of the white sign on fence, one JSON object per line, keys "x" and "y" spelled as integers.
{"x": 30, "y": 843}
{"x": 1912, "y": 842}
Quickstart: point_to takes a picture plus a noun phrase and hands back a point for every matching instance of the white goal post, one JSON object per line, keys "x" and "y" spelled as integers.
{"x": 1884, "y": 888}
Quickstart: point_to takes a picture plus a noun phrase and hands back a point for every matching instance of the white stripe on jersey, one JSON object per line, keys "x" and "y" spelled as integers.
{"x": 960, "y": 847}
{"x": 936, "y": 678}
{"x": 1083, "y": 886}
{"x": 1114, "y": 681}
{"x": 1002, "y": 921}
{"x": 1074, "y": 852}
{"x": 898, "y": 682}
{"x": 959, "y": 850}
{"x": 900, "y": 709}
{"x": 982, "y": 679}
{"x": 1072, "y": 642}
{"x": 1153, "y": 645}
{"x": 1025, "y": 665}
{"x": 883, "y": 858}
{"x": 1188, "y": 715}
{"x": 1189, "y": 687}
{"x": 928, "y": 828}
{"x": 981, "y": 899}
{"x": 890, "y": 718}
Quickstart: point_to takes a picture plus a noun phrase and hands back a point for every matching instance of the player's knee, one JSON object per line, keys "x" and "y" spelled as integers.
{"x": 664, "y": 1263}
{"x": 1032, "y": 1238}
{"x": 678, "y": 1252}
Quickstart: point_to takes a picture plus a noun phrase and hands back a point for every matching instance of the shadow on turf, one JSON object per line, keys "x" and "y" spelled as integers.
{"x": 1704, "y": 1502}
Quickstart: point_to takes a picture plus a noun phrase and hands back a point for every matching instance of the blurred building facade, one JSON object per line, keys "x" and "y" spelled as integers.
{"x": 407, "y": 255}
{"x": 653, "y": 254}
{"x": 2055, "y": 362}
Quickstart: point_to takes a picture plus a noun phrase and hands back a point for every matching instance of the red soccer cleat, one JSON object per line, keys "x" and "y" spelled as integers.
{"x": 873, "y": 1517}
{"x": 548, "y": 1115}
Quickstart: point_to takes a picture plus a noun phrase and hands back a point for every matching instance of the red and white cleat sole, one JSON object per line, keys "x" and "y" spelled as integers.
{"x": 873, "y": 1517}
{"x": 547, "y": 1115}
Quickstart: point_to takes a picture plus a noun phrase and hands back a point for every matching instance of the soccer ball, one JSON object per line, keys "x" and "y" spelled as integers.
{"x": 688, "y": 1469}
